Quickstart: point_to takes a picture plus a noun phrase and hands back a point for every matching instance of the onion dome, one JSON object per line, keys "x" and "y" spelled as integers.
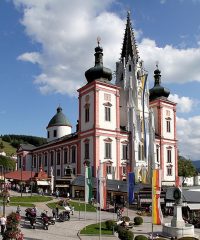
{"x": 59, "y": 119}
{"x": 158, "y": 91}
{"x": 98, "y": 71}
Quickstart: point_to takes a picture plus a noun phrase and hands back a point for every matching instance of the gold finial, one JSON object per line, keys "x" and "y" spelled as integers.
{"x": 98, "y": 40}
{"x": 157, "y": 64}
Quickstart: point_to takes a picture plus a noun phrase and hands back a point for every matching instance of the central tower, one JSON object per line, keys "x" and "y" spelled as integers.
{"x": 134, "y": 102}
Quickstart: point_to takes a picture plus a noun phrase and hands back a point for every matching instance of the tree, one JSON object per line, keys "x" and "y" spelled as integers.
{"x": 7, "y": 163}
{"x": 186, "y": 168}
{"x": 1, "y": 146}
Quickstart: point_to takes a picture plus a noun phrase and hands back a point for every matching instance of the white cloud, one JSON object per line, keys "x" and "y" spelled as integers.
{"x": 188, "y": 131}
{"x": 33, "y": 57}
{"x": 67, "y": 31}
{"x": 185, "y": 104}
{"x": 177, "y": 65}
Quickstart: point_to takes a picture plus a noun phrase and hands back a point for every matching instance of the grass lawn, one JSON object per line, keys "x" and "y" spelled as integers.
{"x": 22, "y": 204}
{"x": 77, "y": 207}
{"x": 93, "y": 229}
{"x": 28, "y": 199}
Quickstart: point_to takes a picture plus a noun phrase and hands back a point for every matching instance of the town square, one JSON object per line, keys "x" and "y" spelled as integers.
{"x": 100, "y": 129}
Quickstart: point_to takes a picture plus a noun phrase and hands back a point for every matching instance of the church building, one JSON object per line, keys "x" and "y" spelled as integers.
{"x": 125, "y": 126}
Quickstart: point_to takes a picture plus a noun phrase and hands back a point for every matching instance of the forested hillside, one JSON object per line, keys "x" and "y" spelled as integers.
{"x": 16, "y": 140}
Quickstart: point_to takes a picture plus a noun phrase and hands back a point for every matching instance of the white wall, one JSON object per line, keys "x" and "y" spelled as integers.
{"x": 168, "y": 135}
{"x": 91, "y": 152}
{"x": 61, "y": 131}
{"x": 88, "y": 98}
{"x": 111, "y": 125}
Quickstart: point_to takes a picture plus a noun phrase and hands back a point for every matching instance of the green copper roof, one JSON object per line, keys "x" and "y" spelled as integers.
{"x": 59, "y": 119}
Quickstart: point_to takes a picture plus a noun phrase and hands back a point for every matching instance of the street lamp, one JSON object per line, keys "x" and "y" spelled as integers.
{"x": 31, "y": 180}
{"x": 21, "y": 178}
{"x": 4, "y": 192}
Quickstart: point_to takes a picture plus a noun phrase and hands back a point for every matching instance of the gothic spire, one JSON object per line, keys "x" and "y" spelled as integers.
{"x": 129, "y": 47}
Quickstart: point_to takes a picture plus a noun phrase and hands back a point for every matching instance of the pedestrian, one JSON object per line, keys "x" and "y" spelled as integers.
{"x": 8, "y": 200}
{"x": 54, "y": 212}
{"x": 3, "y": 224}
{"x": 18, "y": 209}
{"x": 57, "y": 211}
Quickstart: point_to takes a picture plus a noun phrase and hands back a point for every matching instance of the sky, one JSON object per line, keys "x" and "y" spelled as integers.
{"x": 46, "y": 47}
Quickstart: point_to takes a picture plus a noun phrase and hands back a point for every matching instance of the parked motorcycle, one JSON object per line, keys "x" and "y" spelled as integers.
{"x": 64, "y": 216}
{"x": 45, "y": 221}
{"x": 51, "y": 220}
{"x": 31, "y": 216}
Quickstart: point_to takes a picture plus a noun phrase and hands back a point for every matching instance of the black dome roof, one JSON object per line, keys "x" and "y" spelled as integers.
{"x": 158, "y": 91}
{"x": 98, "y": 71}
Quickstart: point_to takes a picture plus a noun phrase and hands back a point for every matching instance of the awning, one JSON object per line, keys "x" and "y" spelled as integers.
{"x": 62, "y": 185}
{"x": 43, "y": 183}
{"x": 194, "y": 206}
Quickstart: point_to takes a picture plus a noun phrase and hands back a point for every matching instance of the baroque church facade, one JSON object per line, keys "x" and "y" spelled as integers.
{"x": 124, "y": 126}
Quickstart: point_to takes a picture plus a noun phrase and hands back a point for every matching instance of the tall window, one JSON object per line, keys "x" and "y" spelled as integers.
{"x": 139, "y": 152}
{"x": 169, "y": 155}
{"x": 169, "y": 171}
{"x": 40, "y": 161}
{"x": 45, "y": 159}
{"x": 58, "y": 172}
{"x": 58, "y": 158}
{"x": 34, "y": 161}
{"x": 124, "y": 170}
{"x": 87, "y": 113}
{"x": 73, "y": 149}
{"x": 107, "y": 150}
{"x": 129, "y": 68}
{"x": 55, "y": 133}
{"x": 125, "y": 152}
{"x": 168, "y": 125}
{"x": 48, "y": 134}
{"x": 87, "y": 150}
{"x": 157, "y": 154}
{"x": 109, "y": 169}
{"x": 20, "y": 161}
{"x": 65, "y": 156}
{"x": 107, "y": 114}
{"x": 52, "y": 158}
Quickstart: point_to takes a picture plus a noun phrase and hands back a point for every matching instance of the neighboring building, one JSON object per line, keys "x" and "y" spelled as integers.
{"x": 112, "y": 127}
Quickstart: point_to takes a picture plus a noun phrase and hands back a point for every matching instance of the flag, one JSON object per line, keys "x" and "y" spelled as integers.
{"x": 101, "y": 186}
{"x": 156, "y": 189}
{"x": 144, "y": 81}
{"x": 131, "y": 185}
{"x": 88, "y": 184}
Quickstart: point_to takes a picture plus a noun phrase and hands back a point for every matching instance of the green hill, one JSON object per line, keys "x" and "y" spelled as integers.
{"x": 7, "y": 148}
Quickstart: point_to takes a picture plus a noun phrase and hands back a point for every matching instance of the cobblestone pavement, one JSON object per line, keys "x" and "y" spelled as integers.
{"x": 68, "y": 230}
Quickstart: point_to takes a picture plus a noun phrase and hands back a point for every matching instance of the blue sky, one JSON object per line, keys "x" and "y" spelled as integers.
{"x": 46, "y": 46}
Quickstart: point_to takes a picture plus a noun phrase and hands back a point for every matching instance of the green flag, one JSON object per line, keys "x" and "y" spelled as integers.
{"x": 88, "y": 184}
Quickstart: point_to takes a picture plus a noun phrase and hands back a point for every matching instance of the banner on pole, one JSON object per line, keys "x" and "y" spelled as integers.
{"x": 157, "y": 216}
{"x": 88, "y": 184}
{"x": 131, "y": 185}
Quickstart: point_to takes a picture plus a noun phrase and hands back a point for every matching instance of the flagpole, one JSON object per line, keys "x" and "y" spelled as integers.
{"x": 100, "y": 196}
{"x": 152, "y": 209}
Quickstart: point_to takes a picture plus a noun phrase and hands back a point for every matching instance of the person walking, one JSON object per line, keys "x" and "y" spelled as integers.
{"x": 54, "y": 212}
{"x": 3, "y": 224}
{"x": 57, "y": 211}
